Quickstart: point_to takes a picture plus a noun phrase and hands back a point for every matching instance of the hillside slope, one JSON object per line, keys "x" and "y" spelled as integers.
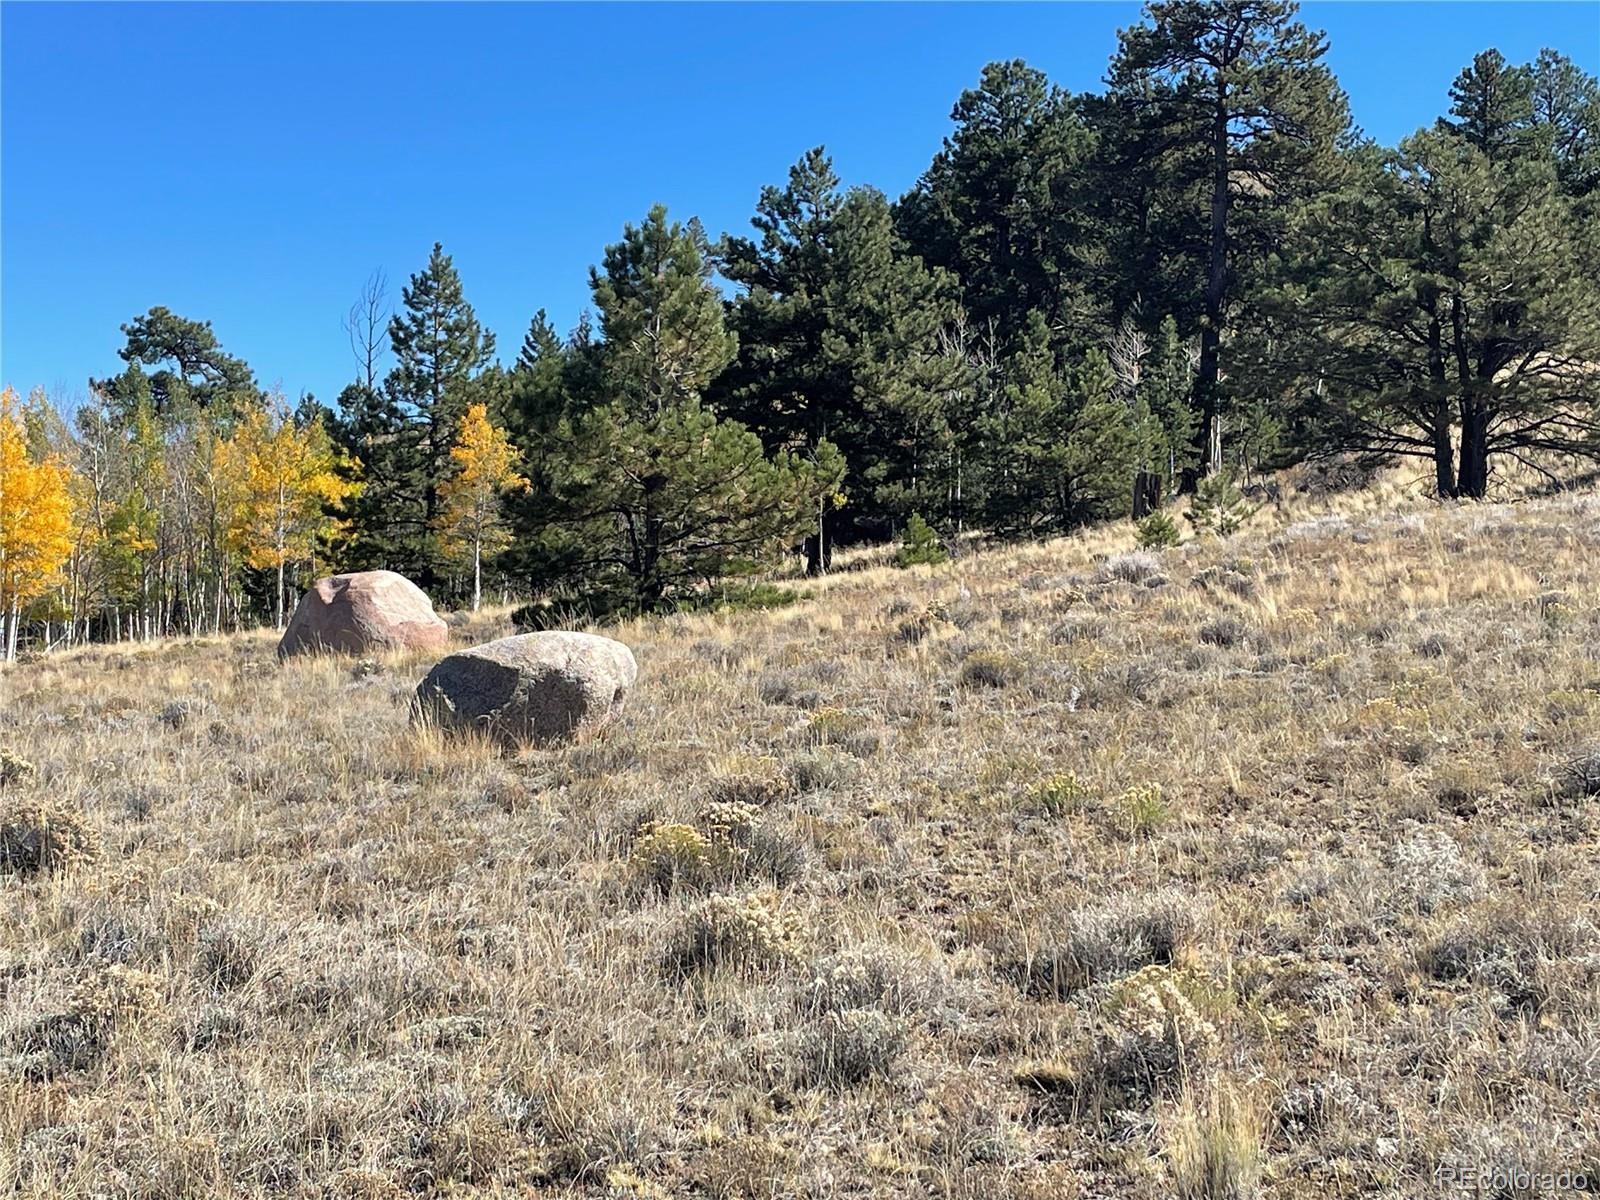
{"x": 1037, "y": 874}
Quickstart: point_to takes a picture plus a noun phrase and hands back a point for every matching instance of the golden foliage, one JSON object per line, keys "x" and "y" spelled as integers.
{"x": 486, "y": 469}
{"x": 287, "y": 477}
{"x": 35, "y": 514}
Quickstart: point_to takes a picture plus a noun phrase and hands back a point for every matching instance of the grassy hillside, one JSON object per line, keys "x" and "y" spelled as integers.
{"x": 1271, "y": 866}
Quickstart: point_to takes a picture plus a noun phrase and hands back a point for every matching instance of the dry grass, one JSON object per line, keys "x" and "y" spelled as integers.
{"x": 1266, "y": 868}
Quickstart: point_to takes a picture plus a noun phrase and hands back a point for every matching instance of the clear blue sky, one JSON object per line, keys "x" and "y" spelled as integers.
{"x": 251, "y": 163}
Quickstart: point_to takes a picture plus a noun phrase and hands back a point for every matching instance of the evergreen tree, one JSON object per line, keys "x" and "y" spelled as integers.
{"x": 1060, "y": 447}
{"x": 1566, "y": 114}
{"x": 650, "y": 493}
{"x": 1000, "y": 206}
{"x": 840, "y": 332}
{"x": 660, "y": 316}
{"x": 1246, "y": 81}
{"x": 194, "y": 369}
{"x": 440, "y": 350}
{"x": 1447, "y": 309}
{"x": 1492, "y": 103}
{"x": 383, "y": 447}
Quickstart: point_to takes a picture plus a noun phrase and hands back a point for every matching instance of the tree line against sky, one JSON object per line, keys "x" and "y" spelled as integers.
{"x": 1203, "y": 269}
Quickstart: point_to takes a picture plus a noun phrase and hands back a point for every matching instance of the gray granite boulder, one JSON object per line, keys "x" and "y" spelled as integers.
{"x": 361, "y": 612}
{"x": 535, "y": 687}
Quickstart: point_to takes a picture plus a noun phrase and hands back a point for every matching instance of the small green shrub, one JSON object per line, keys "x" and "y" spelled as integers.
{"x": 1144, "y": 809}
{"x": 742, "y": 597}
{"x": 1058, "y": 794}
{"x": 919, "y": 544}
{"x": 1158, "y": 531}
{"x": 1219, "y": 507}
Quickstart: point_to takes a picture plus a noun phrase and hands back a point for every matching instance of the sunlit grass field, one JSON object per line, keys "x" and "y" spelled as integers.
{"x": 1260, "y": 867}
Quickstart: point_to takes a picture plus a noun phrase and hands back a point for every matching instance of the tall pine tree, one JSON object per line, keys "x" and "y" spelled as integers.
{"x": 440, "y": 350}
{"x": 1246, "y": 81}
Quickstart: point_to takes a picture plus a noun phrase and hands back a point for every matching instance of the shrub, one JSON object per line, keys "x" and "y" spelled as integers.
{"x": 787, "y": 688}
{"x": 673, "y": 855}
{"x": 14, "y": 769}
{"x": 741, "y": 597}
{"x": 1058, "y": 794}
{"x": 1427, "y": 872}
{"x": 820, "y": 771}
{"x": 846, "y": 730}
{"x": 919, "y": 544}
{"x": 738, "y": 932}
{"x": 872, "y": 977}
{"x": 1219, "y": 507}
{"x": 990, "y": 669}
{"x": 1577, "y": 778}
{"x": 1225, "y": 632}
{"x": 761, "y": 789}
{"x": 848, "y": 1048}
{"x": 227, "y": 955}
{"x": 774, "y": 855}
{"x": 78, "y": 1037}
{"x": 1104, "y": 943}
{"x": 41, "y": 837}
{"x": 1158, "y": 531}
{"x": 1130, "y": 568}
{"x": 1519, "y": 956}
{"x": 1144, "y": 809}
{"x": 1155, "y": 1038}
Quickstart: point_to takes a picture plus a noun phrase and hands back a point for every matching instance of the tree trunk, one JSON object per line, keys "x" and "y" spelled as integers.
{"x": 477, "y": 573}
{"x": 1472, "y": 481}
{"x": 1210, "y": 432}
{"x": 1146, "y": 493}
{"x": 1444, "y": 466}
{"x": 278, "y": 602}
{"x": 819, "y": 548}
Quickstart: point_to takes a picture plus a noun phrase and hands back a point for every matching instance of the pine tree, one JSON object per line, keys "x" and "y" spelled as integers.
{"x": 537, "y": 394}
{"x": 652, "y": 493}
{"x": 486, "y": 469}
{"x": 1246, "y": 81}
{"x": 919, "y": 544}
{"x": 1446, "y": 308}
{"x": 999, "y": 206}
{"x": 1492, "y": 103}
{"x": 1566, "y": 115}
{"x": 440, "y": 350}
{"x": 383, "y": 447}
{"x": 841, "y": 332}
{"x": 194, "y": 368}
{"x": 661, "y": 319}
{"x": 662, "y": 502}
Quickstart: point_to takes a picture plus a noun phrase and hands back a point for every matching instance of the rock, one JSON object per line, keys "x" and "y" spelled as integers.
{"x": 362, "y": 612}
{"x": 533, "y": 687}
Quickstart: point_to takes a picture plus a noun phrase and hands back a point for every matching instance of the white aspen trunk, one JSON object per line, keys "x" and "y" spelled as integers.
{"x": 477, "y": 572}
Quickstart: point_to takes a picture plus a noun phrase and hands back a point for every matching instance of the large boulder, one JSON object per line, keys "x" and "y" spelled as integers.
{"x": 535, "y": 687}
{"x": 362, "y": 612}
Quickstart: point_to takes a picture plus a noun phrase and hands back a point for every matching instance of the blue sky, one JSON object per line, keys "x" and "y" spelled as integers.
{"x": 252, "y": 163}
